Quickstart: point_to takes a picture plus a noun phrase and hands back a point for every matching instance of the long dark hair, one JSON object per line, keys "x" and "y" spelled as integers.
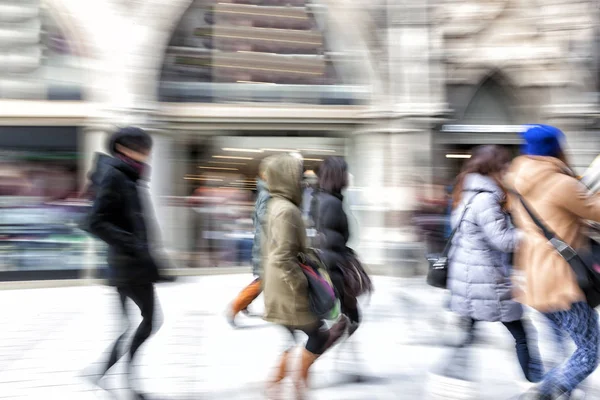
{"x": 489, "y": 160}
{"x": 333, "y": 175}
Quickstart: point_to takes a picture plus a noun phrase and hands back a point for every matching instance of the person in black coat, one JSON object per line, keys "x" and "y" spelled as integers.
{"x": 122, "y": 217}
{"x": 331, "y": 224}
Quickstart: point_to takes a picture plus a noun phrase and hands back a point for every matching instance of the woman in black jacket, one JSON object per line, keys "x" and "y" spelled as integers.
{"x": 331, "y": 223}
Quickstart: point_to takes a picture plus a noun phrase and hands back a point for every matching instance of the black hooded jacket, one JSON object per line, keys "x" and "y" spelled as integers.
{"x": 119, "y": 219}
{"x": 101, "y": 165}
{"x": 331, "y": 223}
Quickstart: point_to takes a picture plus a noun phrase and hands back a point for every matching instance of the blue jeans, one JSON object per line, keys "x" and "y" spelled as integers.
{"x": 525, "y": 345}
{"x": 581, "y": 323}
{"x": 559, "y": 339}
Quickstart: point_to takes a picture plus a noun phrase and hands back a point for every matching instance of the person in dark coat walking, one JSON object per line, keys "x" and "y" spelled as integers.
{"x": 122, "y": 218}
{"x": 333, "y": 233}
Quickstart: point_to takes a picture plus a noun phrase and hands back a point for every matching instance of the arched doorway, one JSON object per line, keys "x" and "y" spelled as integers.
{"x": 276, "y": 82}
{"x": 483, "y": 114}
{"x": 489, "y": 105}
{"x": 268, "y": 51}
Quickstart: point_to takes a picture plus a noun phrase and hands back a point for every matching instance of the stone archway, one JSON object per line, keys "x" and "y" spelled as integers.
{"x": 164, "y": 17}
{"x": 490, "y": 103}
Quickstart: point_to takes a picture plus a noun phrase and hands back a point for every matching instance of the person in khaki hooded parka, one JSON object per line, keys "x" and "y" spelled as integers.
{"x": 552, "y": 191}
{"x": 285, "y": 287}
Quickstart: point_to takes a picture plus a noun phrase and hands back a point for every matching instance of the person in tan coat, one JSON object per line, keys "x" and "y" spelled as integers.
{"x": 285, "y": 286}
{"x": 549, "y": 187}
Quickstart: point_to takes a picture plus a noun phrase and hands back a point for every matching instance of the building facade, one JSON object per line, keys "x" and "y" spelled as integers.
{"x": 396, "y": 87}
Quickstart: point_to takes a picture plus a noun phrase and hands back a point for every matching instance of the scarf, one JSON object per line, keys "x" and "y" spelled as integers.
{"x": 139, "y": 167}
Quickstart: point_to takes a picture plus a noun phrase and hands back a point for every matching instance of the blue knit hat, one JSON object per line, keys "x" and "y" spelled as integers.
{"x": 542, "y": 140}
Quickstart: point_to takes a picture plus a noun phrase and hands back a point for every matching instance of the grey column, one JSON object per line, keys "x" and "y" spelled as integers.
{"x": 161, "y": 179}
{"x": 367, "y": 164}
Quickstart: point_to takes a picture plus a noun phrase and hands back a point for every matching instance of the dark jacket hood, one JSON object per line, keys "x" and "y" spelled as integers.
{"x": 102, "y": 163}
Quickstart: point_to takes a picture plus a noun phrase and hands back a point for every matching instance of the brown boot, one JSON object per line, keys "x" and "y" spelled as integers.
{"x": 336, "y": 332}
{"x": 274, "y": 385}
{"x": 301, "y": 383}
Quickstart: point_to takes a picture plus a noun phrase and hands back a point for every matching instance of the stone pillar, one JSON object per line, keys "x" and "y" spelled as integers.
{"x": 161, "y": 184}
{"x": 414, "y": 57}
{"x": 367, "y": 164}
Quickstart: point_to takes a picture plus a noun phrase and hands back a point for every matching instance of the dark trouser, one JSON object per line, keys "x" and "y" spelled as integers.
{"x": 143, "y": 296}
{"x": 527, "y": 352}
{"x": 317, "y": 338}
{"x": 349, "y": 304}
{"x": 581, "y": 323}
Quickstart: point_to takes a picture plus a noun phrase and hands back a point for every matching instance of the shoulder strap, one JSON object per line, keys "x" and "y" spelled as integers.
{"x": 563, "y": 249}
{"x": 547, "y": 232}
{"x": 462, "y": 216}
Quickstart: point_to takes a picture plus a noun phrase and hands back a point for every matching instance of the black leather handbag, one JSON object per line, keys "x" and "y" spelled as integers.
{"x": 437, "y": 276}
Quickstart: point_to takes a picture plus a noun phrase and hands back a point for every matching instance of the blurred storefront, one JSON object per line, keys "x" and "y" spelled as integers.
{"x": 402, "y": 91}
{"x": 41, "y": 88}
{"x": 209, "y": 213}
{"x": 38, "y": 217}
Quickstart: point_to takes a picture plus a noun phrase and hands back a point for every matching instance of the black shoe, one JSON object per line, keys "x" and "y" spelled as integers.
{"x": 336, "y": 332}
{"x": 139, "y": 396}
{"x": 352, "y": 328}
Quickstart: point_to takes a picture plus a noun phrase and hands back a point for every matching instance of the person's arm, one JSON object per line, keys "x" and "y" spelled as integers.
{"x": 100, "y": 223}
{"x": 284, "y": 230}
{"x": 331, "y": 218}
{"x": 260, "y": 211}
{"x": 577, "y": 198}
{"x": 494, "y": 223}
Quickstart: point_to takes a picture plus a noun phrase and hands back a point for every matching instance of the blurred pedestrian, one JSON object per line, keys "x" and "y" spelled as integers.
{"x": 480, "y": 272}
{"x": 253, "y": 290}
{"x": 285, "y": 285}
{"x": 333, "y": 231}
{"x": 119, "y": 218}
{"x": 549, "y": 187}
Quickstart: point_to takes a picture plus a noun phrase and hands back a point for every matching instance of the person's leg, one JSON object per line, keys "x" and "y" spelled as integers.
{"x": 469, "y": 326}
{"x": 349, "y": 304}
{"x": 318, "y": 342}
{"x": 350, "y": 309}
{"x": 144, "y": 298}
{"x": 458, "y": 363}
{"x": 245, "y": 298}
{"x": 526, "y": 354}
{"x": 116, "y": 352}
{"x": 581, "y": 322}
{"x": 559, "y": 341}
{"x": 281, "y": 369}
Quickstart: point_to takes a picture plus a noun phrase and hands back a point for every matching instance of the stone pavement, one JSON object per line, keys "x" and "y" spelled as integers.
{"x": 49, "y": 337}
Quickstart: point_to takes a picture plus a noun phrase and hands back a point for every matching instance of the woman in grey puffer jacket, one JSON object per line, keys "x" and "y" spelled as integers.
{"x": 479, "y": 271}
